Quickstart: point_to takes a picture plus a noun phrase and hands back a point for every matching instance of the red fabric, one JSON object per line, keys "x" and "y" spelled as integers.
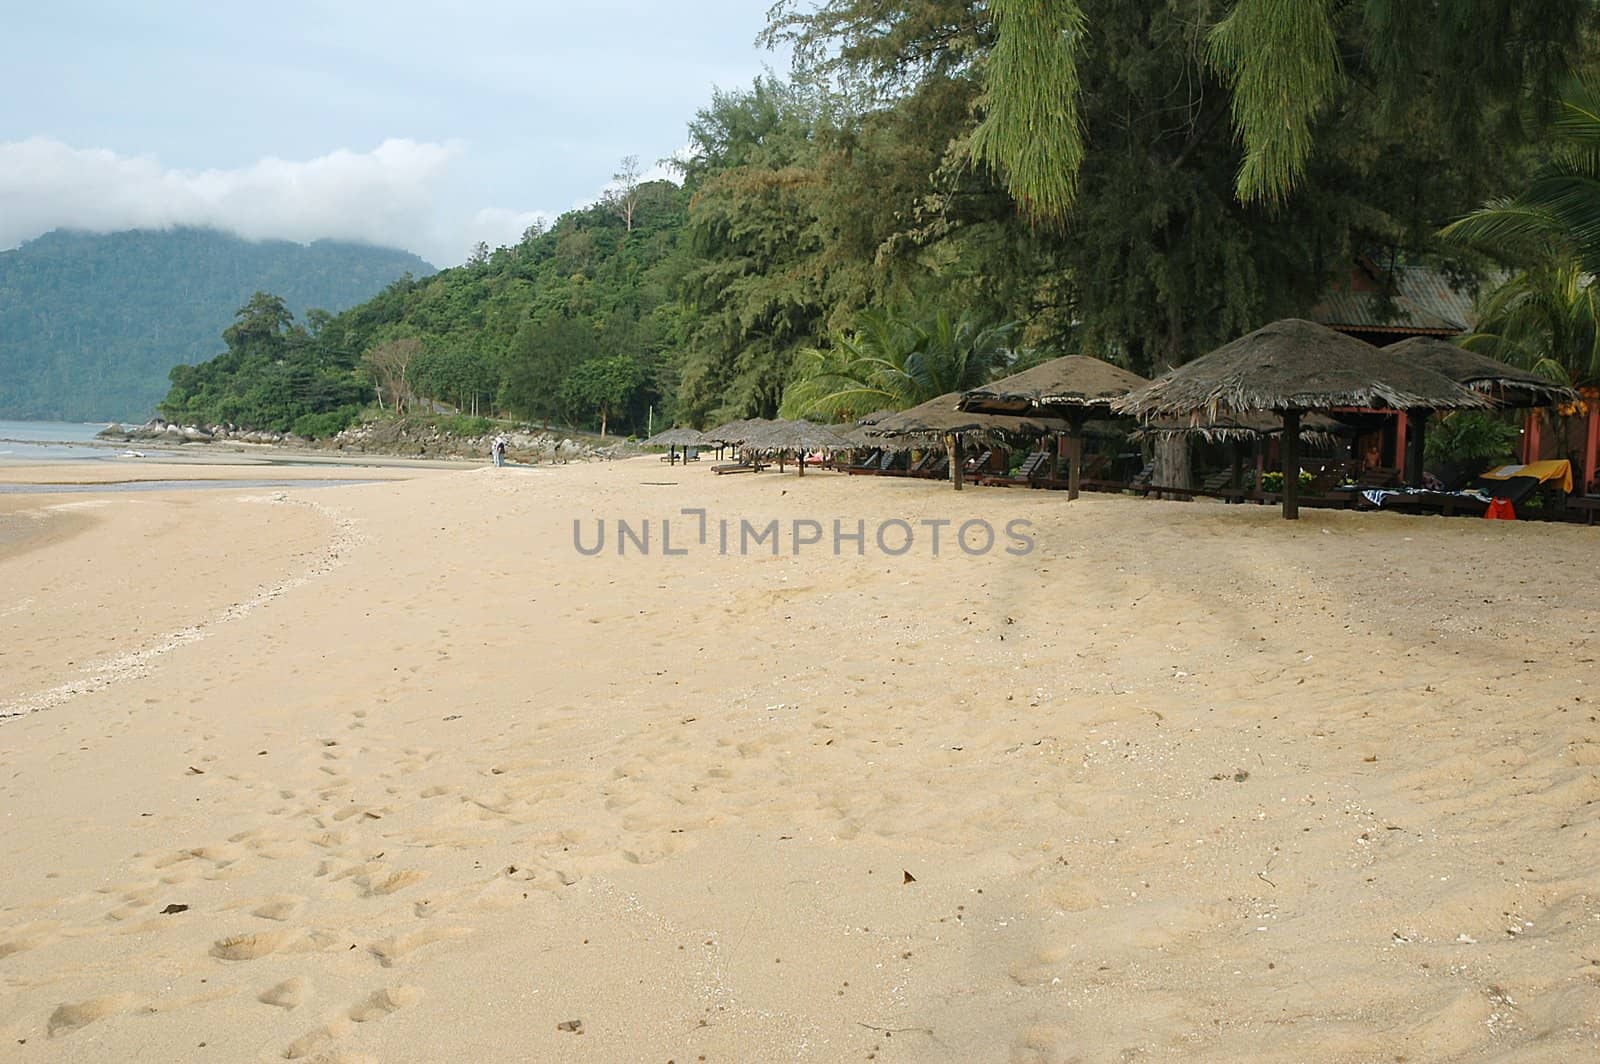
{"x": 1500, "y": 510}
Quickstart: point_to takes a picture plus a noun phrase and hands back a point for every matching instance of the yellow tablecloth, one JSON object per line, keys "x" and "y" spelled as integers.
{"x": 1556, "y": 469}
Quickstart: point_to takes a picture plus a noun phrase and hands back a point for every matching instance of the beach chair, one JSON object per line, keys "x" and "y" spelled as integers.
{"x": 1033, "y": 468}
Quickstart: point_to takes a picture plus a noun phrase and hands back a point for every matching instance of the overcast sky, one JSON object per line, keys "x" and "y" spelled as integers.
{"x": 402, "y": 123}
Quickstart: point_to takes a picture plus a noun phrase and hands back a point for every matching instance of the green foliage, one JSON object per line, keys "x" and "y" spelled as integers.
{"x": 1031, "y": 129}
{"x": 90, "y": 325}
{"x": 464, "y": 425}
{"x": 891, "y": 362}
{"x": 1285, "y": 52}
{"x": 321, "y": 426}
{"x": 1546, "y": 319}
{"x": 1272, "y": 480}
{"x": 273, "y": 374}
{"x": 1557, "y": 215}
{"x": 502, "y": 334}
{"x": 1470, "y": 438}
{"x": 1289, "y": 65}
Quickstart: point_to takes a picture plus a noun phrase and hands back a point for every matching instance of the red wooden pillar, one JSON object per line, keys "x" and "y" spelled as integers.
{"x": 1399, "y": 462}
{"x": 1530, "y": 438}
{"x": 1591, "y": 446}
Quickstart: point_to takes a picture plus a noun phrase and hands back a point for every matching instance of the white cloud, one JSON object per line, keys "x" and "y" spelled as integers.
{"x": 385, "y": 196}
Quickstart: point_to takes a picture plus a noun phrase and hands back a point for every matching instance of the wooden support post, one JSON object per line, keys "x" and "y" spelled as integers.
{"x": 953, "y": 445}
{"x": 1291, "y": 465}
{"x": 1400, "y": 442}
{"x": 1416, "y": 437}
{"x": 1055, "y": 457}
{"x": 1261, "y": 466}
{"x": 1531, "y": 444}
{"x": 1074, "y": 454}
{"x": 1238, "y": 472}
{"x": 802, "y": 461}
{"x": 1591, "y": 446}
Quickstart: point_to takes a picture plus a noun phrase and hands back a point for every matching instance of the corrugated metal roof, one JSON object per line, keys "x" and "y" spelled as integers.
{"x": 1423, "y": 302}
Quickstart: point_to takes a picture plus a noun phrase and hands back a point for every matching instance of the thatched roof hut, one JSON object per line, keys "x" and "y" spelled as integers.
{"x": 935, "y": 419}
{"x": 1290, "y": 367}
{"x": 1074, "y": 388}
{"x": 1295, "y": 365}
{"x": 677, "y": 437}
{"x": 1070, "y": 382}
{"x": 795, "y": 436}
{"x": 735, "y": 431}
{"x": 1316, "y": 429}
{"x": 1507, "y": 385}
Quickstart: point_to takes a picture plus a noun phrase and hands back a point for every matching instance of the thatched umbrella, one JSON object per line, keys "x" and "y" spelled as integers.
{"x": 735, "y": 431}
{"x": 1073, "y": 388}
{"x": 1287, "y": 368}
{"x": 674, "y": 438}
{"x": 1317, "y": 430}
{"x": 801, "y": 436}
{"x": 939, "y": 421}
{"x": 1507, "y": 385}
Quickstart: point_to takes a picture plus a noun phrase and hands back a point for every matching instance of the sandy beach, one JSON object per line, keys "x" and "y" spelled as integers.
{"x": 396, "y": 772}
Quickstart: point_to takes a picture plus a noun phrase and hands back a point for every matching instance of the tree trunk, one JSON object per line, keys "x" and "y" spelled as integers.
{"x": 1172, "y": 465}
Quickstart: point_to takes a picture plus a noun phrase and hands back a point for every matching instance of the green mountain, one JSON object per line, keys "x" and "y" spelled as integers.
{"x": 577, "y": 324}
{"x": 90, "y": 324}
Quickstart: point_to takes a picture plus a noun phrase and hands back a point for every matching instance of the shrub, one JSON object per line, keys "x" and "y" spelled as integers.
{"x": 1472, "y": 439}
{"x": 327, "y": 423}
{"x": 464, "y": 425}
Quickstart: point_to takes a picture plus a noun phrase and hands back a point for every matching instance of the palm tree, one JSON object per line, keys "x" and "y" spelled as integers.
{"x": 891, "y": 362}
{"x": 1545, "y": 319}
{"x": 1557, "y": 217}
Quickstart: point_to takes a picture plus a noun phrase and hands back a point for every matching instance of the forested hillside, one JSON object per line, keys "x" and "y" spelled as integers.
{"x": 889, "y": 205}
{"x": 90, "y": 324}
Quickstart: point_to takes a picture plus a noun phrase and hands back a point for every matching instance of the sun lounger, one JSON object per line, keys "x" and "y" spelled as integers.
{"x": 1587, "y": 505}
{"x": 1032, "y": 469}
{"x": 736, "y": 467}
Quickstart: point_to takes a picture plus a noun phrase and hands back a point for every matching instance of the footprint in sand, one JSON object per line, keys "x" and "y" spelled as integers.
{"x": 384, "y": 1002}
{"x": 378, "y": 885}
{"x": 280, "y": 907}
{"x": 380, "y": 1004}
{"x": 68, "y": 1018}
{"x": 289, "y": 994}
{"x": 256, "y": 944}
{"x": 26, "y": 937}
{"x": 392, "y": 950}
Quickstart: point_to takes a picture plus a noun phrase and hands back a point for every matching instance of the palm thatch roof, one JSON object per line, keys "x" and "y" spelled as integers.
{"x": 735, "y": 431}
{"x": 937, "y": 418}
{"x": 1295, "y": 365}
{"x": 1072, "y": 382}
{"x": 782, "y": 435}
{"x": 677, "y": 437}
{"x": 1505, "y": 384}
{"x": 1319, "y": 430}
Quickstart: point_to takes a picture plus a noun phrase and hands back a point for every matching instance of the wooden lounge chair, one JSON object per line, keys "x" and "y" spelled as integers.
{"x": 736, "y": 467}
{"x": 1032, "y": 469}
{"x": 873, "y": 464}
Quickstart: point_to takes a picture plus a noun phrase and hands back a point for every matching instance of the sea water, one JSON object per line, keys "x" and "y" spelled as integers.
{"x": 52, "y": 441}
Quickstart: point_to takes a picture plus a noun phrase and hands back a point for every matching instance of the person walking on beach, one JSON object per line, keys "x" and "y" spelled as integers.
{"x": 498, "y": 450}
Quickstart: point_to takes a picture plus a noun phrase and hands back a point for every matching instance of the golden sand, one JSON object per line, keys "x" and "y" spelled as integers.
{"x": 392, "y": 772}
